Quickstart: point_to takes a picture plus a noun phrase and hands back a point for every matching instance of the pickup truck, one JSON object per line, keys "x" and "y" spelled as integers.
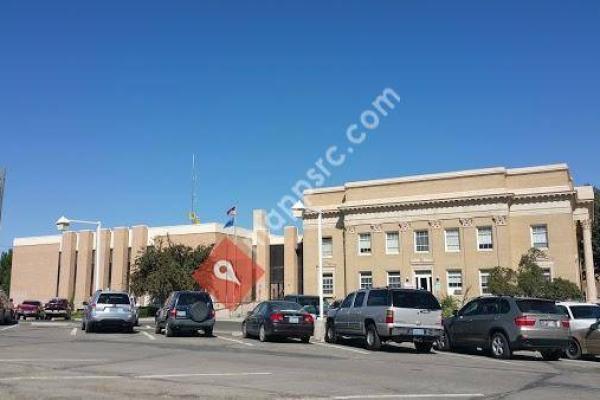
{"x": 57, "y": 308}
{"x": 30, "y": 308}
{"x": 387, "y": 315}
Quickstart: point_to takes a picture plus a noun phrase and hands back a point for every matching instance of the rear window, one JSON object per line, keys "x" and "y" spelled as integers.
{"x": 377, "y": 298}
{"x": 278, "y": 306}
{"x": 414, "y": 299}
{"x": 32, "y": 303}
{"x": 113, "y": 298}
{"x": 585, "y": 312}
{"x": 308, "y": 301}
{"x": 538, "y": 307}
{"x": 187, "y": 299}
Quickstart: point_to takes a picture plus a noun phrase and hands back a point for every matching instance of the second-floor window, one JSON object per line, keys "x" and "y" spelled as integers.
{"x": 327, "y": 249}
{"x": 454, "y": 282}
{"x": 484, "y": 238}
{"x": 364, "y": 243}
{"x": 328, "y": 284}
{"x": 539, "y": 236}
{"x": 452, "y": 240}
{"x": 393, "y": 280}
{"x": 421, "y": 241}
{"x": 392, "y": 243}
{"x": 366, "y": 280}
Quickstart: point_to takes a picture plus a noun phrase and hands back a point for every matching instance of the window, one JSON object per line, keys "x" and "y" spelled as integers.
{"x": 327, "y": 247}
{"x": 347, "y": 301}
{"x": 472, "y": 308}
{"x": 452, "y": 240}
{"x": 539, "y": 236}
{"x": 366, "y": 280}
{"x": 489, "y": 306}
{"x": 547, "y": 272}
{"x": 504, "y": 306}
{"x": 392, "y": 243}
{"x": 358, "y": 301}
{"x": 377, "y": 298}
{"x": 536, "y": 306}
{"x": 393, "y": 280}
{"x": 414, "y": 299}
{"x": 328, "y": 286}
{"x": 586, "y": 312}
{"x": 484, "y": 238}
{"x": 421, "y": 241}
{"x": 454, "y": 282}
{"x": 364, "y": 243}
{"x": 484, "y": 282}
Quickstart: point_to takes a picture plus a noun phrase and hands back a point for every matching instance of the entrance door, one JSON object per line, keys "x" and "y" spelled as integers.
{"x": 423, "y": 280}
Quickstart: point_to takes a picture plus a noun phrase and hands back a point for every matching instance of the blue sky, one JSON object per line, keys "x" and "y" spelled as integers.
{"x": 101, "y": 106}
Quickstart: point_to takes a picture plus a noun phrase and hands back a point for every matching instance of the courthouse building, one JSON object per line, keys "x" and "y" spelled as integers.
{"x": 439, "y": 232}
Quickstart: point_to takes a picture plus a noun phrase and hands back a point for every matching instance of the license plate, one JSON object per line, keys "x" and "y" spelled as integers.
{"x": 181, "y": 313}
{"x": 294, "y": 320}
{"x": 549, "y": 323}
{"x": 418, "y": 332}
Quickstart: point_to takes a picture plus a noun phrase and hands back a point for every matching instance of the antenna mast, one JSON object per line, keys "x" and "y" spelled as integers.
{"x": 193, "y": 217}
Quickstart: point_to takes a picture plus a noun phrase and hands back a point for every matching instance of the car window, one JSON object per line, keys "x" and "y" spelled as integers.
{"x": 420, "y": 299}
{"x": 470, "y": 309}
{"x": 358, "y": 300}
{"x": 563, "y": 310}
{"x": 263, "y": 308}
{"x": 255, "y": 311}
{"x": 538, "y": 306}
{"x": 504, "y": 306}
{"x": 377, "y": 298}
{"x": 347, "y": 301}
{"x": 32, "y": 303}
{"x": 187, "y": 299}
{"x": 585, "y": 312}
{"x": 113, "y": 298}
{"x": 278, "y": 306}
{"x": 489, "y": 307}
{"x": 289, "y": 298}
{"x": 308, "y": 301}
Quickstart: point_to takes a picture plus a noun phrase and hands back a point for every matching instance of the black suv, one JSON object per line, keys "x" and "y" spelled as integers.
{"x": 186, "y": 311}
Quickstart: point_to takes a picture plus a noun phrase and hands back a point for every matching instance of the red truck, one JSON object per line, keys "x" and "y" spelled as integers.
{"x": 30, "y": 308}
{"x": 57, "y": 307}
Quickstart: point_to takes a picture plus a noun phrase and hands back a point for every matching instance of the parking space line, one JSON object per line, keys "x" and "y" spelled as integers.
{"x": 335, "y": 346}
{"x": 73, "y": 331}
{"x": 409, "y": 396}
{"x": 202, "y": 374}
{"x": 444, "y": 353}
{"x": 9, "y": 327}
{"x": 149, "y": 336}
{"x": 234, "y": 341}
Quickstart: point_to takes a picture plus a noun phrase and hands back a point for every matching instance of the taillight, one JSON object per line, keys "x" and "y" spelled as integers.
{"x": 389, "y": 317}
{"x": 276, "y": 317}
{"x": 565, "y": 323}
{"x": 211, "y": 314}
{"x": 524, "y": 321}
{"x": 308, "y": 319}
{"x": 173, "y": 312}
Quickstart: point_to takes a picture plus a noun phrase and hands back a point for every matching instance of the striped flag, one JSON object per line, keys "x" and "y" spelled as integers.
{"x": 231, "y": 213}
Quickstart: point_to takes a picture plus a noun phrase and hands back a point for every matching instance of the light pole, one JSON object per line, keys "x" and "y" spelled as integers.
{"x": 63, "y": 223}
{"x": 299, "y": 209}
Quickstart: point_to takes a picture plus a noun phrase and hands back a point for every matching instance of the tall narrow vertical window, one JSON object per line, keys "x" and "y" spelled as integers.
{"x": 364, "y": 243}
{"x": 421, "y": 241}
{"x": 454, "y": 282}
{"x": 392, "y": 242}
{"x": 366, "y": 279}
{"x": 484, "y": 282}
{"x": 452, "y": 239}
{"x": 484, "y": 238}
{"x": 328, "y": 284}
{"x": 547, "y": 272}
{"x": 539, "y": 236}
{"x": 393, "y": 280}
{"x": 327, "y": 249}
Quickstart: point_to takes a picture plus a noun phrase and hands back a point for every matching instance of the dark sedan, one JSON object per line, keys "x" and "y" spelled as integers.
{"x": 272, "y": 319}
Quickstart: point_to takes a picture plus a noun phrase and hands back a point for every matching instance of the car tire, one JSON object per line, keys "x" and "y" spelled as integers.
{"x": 245, "y": 330}
{"x": 157, "y": 329}
{"x": 129, "y": 329}
{"x": 551, "y": 355}
{"x": 423, "y": 347}
{"x": 208, "y": 332}
{"x": 372, "y": 340}
{"x": 169, "y": 332}
{"x": 330, "y": 335}
{"x": 443, "y": 342}
{"x": 262, "y": 334}
{"x": 305, "y": 339}
{"x": 499, "y": 346}
{"x": 573, "y": 351}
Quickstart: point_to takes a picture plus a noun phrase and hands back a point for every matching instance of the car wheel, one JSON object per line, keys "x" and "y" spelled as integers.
{"x": 551, "y": 355}
{"x": 245, "y": 330}
{"x": 573, "y": 351}
{"x": 129, "y": 329}
{"x": 499, "y": 346}
{"x": 372, "y": 340}
{"x": 262, "y": 334}
{"x": 330, "y": 335}
{"x": 208, "y": 332}
{"x": 423, "y": 347}
{"x": 157, "y": 329}
{"x": 169, "y": 330}
{"x": 305, "y": 339}
{"x": 443, "y": 342}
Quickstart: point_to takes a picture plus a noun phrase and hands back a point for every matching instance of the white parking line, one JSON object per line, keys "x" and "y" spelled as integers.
{"x": 335, "y": 346}
{"x": 234, "y": 341}
{"x": 581, "y": 363}
{"x": 482, "y": 357}
{"x": 103, "y": 377}
{"x": 73, "y": 331}
{"x": 205, "y": 374}
{"x": 149, "y": 336}
{"x": 49, "y": 324}
{"x": 8, "y": 327}
{"x": 148, "y": 327}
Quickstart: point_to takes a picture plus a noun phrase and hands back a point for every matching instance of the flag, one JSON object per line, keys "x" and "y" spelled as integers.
{"x": 232, "y": 212}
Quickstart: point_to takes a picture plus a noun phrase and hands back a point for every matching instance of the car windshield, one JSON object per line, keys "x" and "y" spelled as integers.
{"x": 186, "y": 299}
{"x": 586, "y": 312}
{"x": 538, "y": 306}
{"x": 113, "y": 298}
{"x": 308, "y": 301}
{"x": 415, "y": 299}
{"x": 32, "y": 303}
{"x": 285, "y": 306}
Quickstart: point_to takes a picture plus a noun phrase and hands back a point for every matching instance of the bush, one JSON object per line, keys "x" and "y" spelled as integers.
{"x": 449, "y": 305}
{"x": 148, "y": 311}
{"x": 562, "y": 289}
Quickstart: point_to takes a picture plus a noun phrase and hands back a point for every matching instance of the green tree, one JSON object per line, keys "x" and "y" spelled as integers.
{"x": 562, "y": 289}
{"x": 5, "y": 270}
{"x": 504, "y": 282}
{"x": 530, "y": 278}
{"x": 166, "y": 267}
{"x": 449, "y": 304}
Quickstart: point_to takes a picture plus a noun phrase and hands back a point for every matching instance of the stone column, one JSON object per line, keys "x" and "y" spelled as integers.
{"x": 139, "y": 242}
{"x": 84, "y": 268}
{"x": 590, "y": 279}
{"x": 66, "y": 281}
{"x": 263, "y": 255}
{"x": 118, "y": 278}
{"x": 105, "y": 259}
{"x": 290, "y": 260}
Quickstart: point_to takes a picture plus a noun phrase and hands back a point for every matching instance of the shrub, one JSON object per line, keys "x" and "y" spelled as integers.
{"x": 449, "y": 305}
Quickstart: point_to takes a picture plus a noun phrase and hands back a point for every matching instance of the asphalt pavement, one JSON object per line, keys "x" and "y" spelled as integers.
{"x": 56, "y": 360}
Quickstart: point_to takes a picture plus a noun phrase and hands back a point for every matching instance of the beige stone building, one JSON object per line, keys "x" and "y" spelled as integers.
{"x": 444, "y": 232}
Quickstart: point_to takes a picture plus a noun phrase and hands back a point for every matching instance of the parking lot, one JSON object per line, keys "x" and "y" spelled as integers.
{"x": 57, "y": 360}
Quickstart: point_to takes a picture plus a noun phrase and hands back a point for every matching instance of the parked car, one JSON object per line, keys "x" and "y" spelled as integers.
{"x": 311, "y": 303}
{"x": 278, "y": 318}
{"x": 57, "y": 307}
{"x": 108, "y": 309}
{"x": 30, "y": 309}
{"x": 584, "y": 321}
{"x": 503, "y": 324}
{"x": 136, "y": 310}
{"x": 186, "y": 311}
{"x": 7, "y": 312}
{"x": 381, "y": 315}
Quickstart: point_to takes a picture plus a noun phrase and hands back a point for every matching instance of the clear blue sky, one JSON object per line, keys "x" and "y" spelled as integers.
{"x": 101, "y": 106}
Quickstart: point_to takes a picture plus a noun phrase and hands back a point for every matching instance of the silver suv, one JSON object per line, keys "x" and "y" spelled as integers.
{"x": 380, "y": 315}
{"x": 108, "y": 309}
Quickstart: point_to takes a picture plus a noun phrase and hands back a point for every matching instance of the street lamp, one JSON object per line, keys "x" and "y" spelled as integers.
{"x": 63, "y": 224}
{"x": 298, "y": 210}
